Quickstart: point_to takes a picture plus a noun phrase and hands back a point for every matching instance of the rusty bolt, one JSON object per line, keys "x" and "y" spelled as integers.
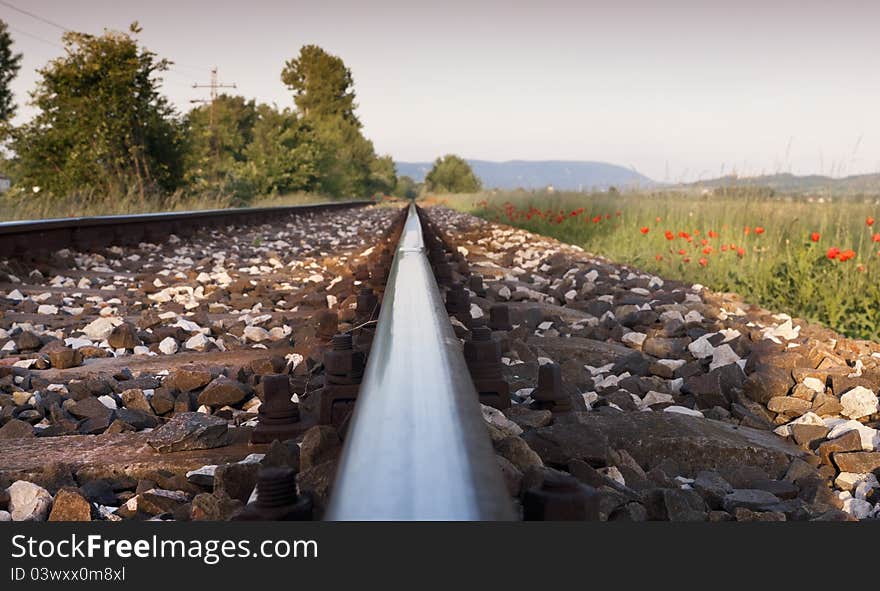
{"x": 549, "y": 394}
{"x": 328, "y": 324}
{"x": 278, "y": 415}
{"x": 560, "y": 497}
{"x": 499, "y": 317}
{"x": 342, "y": 364}
{"x": 277, "y": 499}
{"x": 476, "y": 285}
{"x": 367, "y": 303}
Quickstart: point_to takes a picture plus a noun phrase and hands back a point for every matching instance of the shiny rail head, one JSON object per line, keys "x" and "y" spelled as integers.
{"x": 417, "y": 446}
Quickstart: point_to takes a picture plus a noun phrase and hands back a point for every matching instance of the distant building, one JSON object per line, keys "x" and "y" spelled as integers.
{"x": 5, "y": 183}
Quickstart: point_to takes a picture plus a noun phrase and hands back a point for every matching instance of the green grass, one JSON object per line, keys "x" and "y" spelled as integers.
{"x": 779, "y": 266}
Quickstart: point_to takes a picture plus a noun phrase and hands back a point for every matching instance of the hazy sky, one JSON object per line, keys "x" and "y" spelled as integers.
{"x": 677, "y": 89}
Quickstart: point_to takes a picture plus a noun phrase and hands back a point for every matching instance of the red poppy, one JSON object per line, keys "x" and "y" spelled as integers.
{"x": 870, "y": 221}
{"x": 644, "y": 230}
{"x": 740, "y": 252}
{"x": 617, "y": 213}
{"x": 846, "y": 255}
{"x": 670, "y": 235}
{"x": 723, "y": 248}
{"x": 703, "y": 262}
{"x": 657, "y": 219}
{"x": 659, "y": 257}
{"x": 860, "y": 268}
{"x": 704, "y": 242}
{"x": 682, "y": 251}
{"x": 759, "y": 230}
{"x": 597, "y": 219}
{"x": 707, "y": 250}
{"x": 832, "y": 253}
{"x": 747, "y": 230}
{"x": 815, "y": 236}
{"x": 875, "y": 238}
{"x": 713, "y": 234}
{"x": 686, "y": 259}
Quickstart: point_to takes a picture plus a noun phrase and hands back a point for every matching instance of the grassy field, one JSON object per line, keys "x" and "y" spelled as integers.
{"x": 816, "y": 260}
{"x": 33, "y": 207}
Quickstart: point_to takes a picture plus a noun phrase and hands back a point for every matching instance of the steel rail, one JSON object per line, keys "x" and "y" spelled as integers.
{"x": 417, "y": 447}
{"x": 55, "y": 233}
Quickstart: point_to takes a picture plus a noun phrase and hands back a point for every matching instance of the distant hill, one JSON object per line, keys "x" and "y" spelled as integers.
{"x": 790, "y": 183}
{"x": 538, "y": 174}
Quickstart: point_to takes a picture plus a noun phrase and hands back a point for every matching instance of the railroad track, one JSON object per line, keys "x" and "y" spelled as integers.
{"x": 350, "y": 363}
{"x": 410, "y": 341}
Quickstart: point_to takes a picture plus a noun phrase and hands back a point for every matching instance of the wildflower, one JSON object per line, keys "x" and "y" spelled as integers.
{"x": 682, "y": 251}
{"x": 846, "y": 255}
{"x": 686, "y": 259}
{"x": 875, "y": 238}
{"x": 723, "y": 248}
{"x": 759, "y": 230}
{"x": 617, "y": 213}
{"x": 870, "y": 221}
{"x": 713, "y": 234}
{"x": 704, "y": 242}
{"x": 657, "y": 219}
{"x": 670, "y": 235}
{"x": 860, "y": 268}
{"x": 644, "y": 230}
{"x": 574, "y": 213}
{"x": 747, "y": 230}
{"x": 597, "y": 219}
{"x": 707, "y": 250}
{"x": 659, "y": 257}
{"x": 815, "y": 236}
{"x": 703, "y": 262}
{"x": 832, "y": 253}
{"x": 740, "y": 252}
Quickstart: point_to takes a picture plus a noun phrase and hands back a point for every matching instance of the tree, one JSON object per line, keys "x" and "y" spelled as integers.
{"x": 216, "y": 146}
{"x": 383, "y": 175}
{"x": 102, "y": 124}
{"x": 322, "y": 85}
{"x": 324, "y": 97}
{"x": 406, "y": 188}
{"x": 10, "y": 63}
{"x": 284, "y": 155}
{"x": 452, "y": 174}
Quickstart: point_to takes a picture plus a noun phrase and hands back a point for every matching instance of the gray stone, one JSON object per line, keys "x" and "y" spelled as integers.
{"x": 754, "y": 499}
{"x": 518, "y": 452}
{"x": 222, "y": 392}
{"x": 236, "y": 480}
{"x": 16, "y": 429}
{"x": 712, "y": 488}
{"x": 28, "y": 501}
{"x": 190, "y": 430}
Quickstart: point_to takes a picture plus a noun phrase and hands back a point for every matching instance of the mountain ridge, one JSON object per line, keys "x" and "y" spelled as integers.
{"x": 563, "y": 175}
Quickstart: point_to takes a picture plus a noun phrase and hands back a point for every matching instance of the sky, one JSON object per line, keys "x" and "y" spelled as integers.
{"x": 679, "y": 90}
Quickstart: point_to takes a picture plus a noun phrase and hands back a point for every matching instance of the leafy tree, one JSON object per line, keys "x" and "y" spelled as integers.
{"x": 284, "y": 155}
{"x": 406, "y": 188}
{"x": 102, "y": 124}
{"x": 10, "y": 63}
{"x": 452, "y": 174}
{"x": 324, "y": 97}
{"x": 217, "y": 136}
{"x": 322, "y": 85}
{"x": 383, "y": 175}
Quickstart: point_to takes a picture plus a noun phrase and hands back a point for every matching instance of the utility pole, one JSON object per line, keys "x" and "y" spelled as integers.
{"x": 213, "y": 86}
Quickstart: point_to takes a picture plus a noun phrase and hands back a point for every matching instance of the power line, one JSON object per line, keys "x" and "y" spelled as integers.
{"x": 32, "y": 15}
{"x": 32, "y": 36}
